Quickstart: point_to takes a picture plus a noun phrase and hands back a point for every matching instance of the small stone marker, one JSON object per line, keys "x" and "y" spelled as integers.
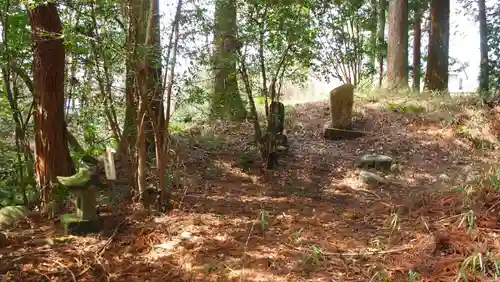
{"x": 109, "y": 164}
{"x": 341, "y": 106}
{"x": 371, "y": 178}
{"x": 374, "y": 161}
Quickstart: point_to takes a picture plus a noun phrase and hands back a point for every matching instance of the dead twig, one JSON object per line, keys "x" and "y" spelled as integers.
{"x": 369, "y": 253}
{"x": 17, "y": 256}
{"x": 426, "y": 225}
{"x": 489, "y": 229}
{"x": 245, "y": 251}
{"x": 182, "y": 198}
{"x": 110, "y": 239}
{"x": 84, "y": 271}
{"x": 493, "y": 206}
{"x": 360, "y": 253}
{"x": 73, "y": 278}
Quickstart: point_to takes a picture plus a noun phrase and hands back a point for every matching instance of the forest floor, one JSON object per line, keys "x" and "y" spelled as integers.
{"x": 433, "y": 219}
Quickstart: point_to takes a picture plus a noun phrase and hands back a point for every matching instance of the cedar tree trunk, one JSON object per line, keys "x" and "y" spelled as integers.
{"x": 381, "y": 50}
{"x": 483, "y": 34}
{"x": 397, "y": 49}
{"x": 52, "y": 153}
{"x": 436, "y": 75}
{"x": 417, "y": 39}
{"x": 226, "y": 101}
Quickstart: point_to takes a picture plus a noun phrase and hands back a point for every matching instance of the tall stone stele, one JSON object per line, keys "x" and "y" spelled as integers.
{"x": 341, "y": 106}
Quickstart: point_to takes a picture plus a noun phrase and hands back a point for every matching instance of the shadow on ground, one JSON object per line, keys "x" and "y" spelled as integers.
{"x": 309, "y": 220}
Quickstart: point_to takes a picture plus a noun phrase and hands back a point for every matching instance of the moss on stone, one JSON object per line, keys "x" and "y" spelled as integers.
{"x": 74, "y": 225}
{"x": 81, "y": 178}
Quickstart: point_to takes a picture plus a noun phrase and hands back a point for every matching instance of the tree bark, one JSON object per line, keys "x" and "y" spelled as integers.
{"x": 483, "y": 34}
{"x": 138, "y": 24}
{"x": 381, "y": 47}
{"x": 154, "y": 70}
{"x": 129, "y": 128}
{"x": 397, "y": 49}
{"x": 436, "y": 75}
{"x": 417, "y": 40}
{"x": 226, "y": 101}
{"x": 52, "y": 155}
{"x": 373, "y": 36}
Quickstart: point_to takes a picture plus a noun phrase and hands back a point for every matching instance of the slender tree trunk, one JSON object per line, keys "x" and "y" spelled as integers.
{"x": 436, "y": 75}
{"x": 129, "y": 128}
{"x": 397, "y": 49}
{"x": 154, "y": 69}
{"x": 381, "y": 47}
{"x": 52, "y": 153}
{"x": 129, "y": 137}
{"x": 12, "y": 93}
{"x": 263, "y": 65}
{"x": 141, "y": 152}
{"x": 417, "y": 39}
{"x": 373, "y": 37}
{"x": 253, "y": 109}
{"x": 20, "y": 134}
{"x": 483, "y": 33}
{"x": 226, "y": 100}
{"x": 138, "y": 89}
{"x": 139, "y": 13}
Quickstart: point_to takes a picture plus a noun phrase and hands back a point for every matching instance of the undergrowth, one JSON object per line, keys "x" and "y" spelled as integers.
{"x": 290, "y": 225}
{"x": 467, "y": 233}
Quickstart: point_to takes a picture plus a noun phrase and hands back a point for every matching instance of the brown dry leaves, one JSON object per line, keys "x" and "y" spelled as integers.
{"x": 310, "y": 220}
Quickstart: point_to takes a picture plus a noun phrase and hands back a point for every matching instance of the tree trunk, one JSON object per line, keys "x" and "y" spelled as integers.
{"x": 436, "y": 75}
{"x": 226, "y": 101}
{"x": 154, "y": 71}
{"x": 381, "y": 48}
{"x": 373, "y": 37}
{"x": 129, "y": 128}
{"x": 20, "y": 133}
{"x": 52, "y": 153}
{"x": 417, "y": 40}
{"x": 139, "y": 12}
{"x": 141, "y": 153}
{"x": 483, "y": 34}
{"x": 397, "y": 49}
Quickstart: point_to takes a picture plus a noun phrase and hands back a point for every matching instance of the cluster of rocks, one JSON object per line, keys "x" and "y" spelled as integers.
{"x": 374, "y": 162}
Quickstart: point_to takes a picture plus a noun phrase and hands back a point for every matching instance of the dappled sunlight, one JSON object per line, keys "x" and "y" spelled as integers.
{"x": 313, "y": 217}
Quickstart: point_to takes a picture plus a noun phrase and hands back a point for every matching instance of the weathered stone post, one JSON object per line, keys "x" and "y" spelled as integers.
{"x": 85, "y": 220}
{"x": 341, "y": 106}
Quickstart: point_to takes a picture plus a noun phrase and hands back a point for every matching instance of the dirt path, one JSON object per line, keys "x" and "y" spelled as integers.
{"x": 310, "y": 220}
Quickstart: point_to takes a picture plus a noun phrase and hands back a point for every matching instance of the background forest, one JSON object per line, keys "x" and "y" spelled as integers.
{"x": 178, "y": 98}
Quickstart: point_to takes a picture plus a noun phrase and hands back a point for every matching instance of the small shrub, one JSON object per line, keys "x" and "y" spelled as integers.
{"x": 176, "y": 128}
{"x": 405, "y": 108}
{"x": 247, "y": 159}
{"x": 260, "y": 100}
{"x": 494, "y": 180}
{"x": 413, "y": 276}
{"x": 210, "y": 141}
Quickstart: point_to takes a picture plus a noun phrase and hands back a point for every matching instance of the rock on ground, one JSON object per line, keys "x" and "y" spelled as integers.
{"x": 374, "y": 161}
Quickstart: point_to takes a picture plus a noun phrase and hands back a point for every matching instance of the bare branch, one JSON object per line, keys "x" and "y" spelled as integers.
{"x": 24, "y": 76}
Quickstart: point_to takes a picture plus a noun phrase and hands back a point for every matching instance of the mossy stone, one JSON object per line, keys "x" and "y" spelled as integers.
{"x": 74, "y": 225}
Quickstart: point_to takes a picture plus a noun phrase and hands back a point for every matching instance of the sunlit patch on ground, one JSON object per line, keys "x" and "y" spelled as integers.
{"x": 310, "y": 220}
